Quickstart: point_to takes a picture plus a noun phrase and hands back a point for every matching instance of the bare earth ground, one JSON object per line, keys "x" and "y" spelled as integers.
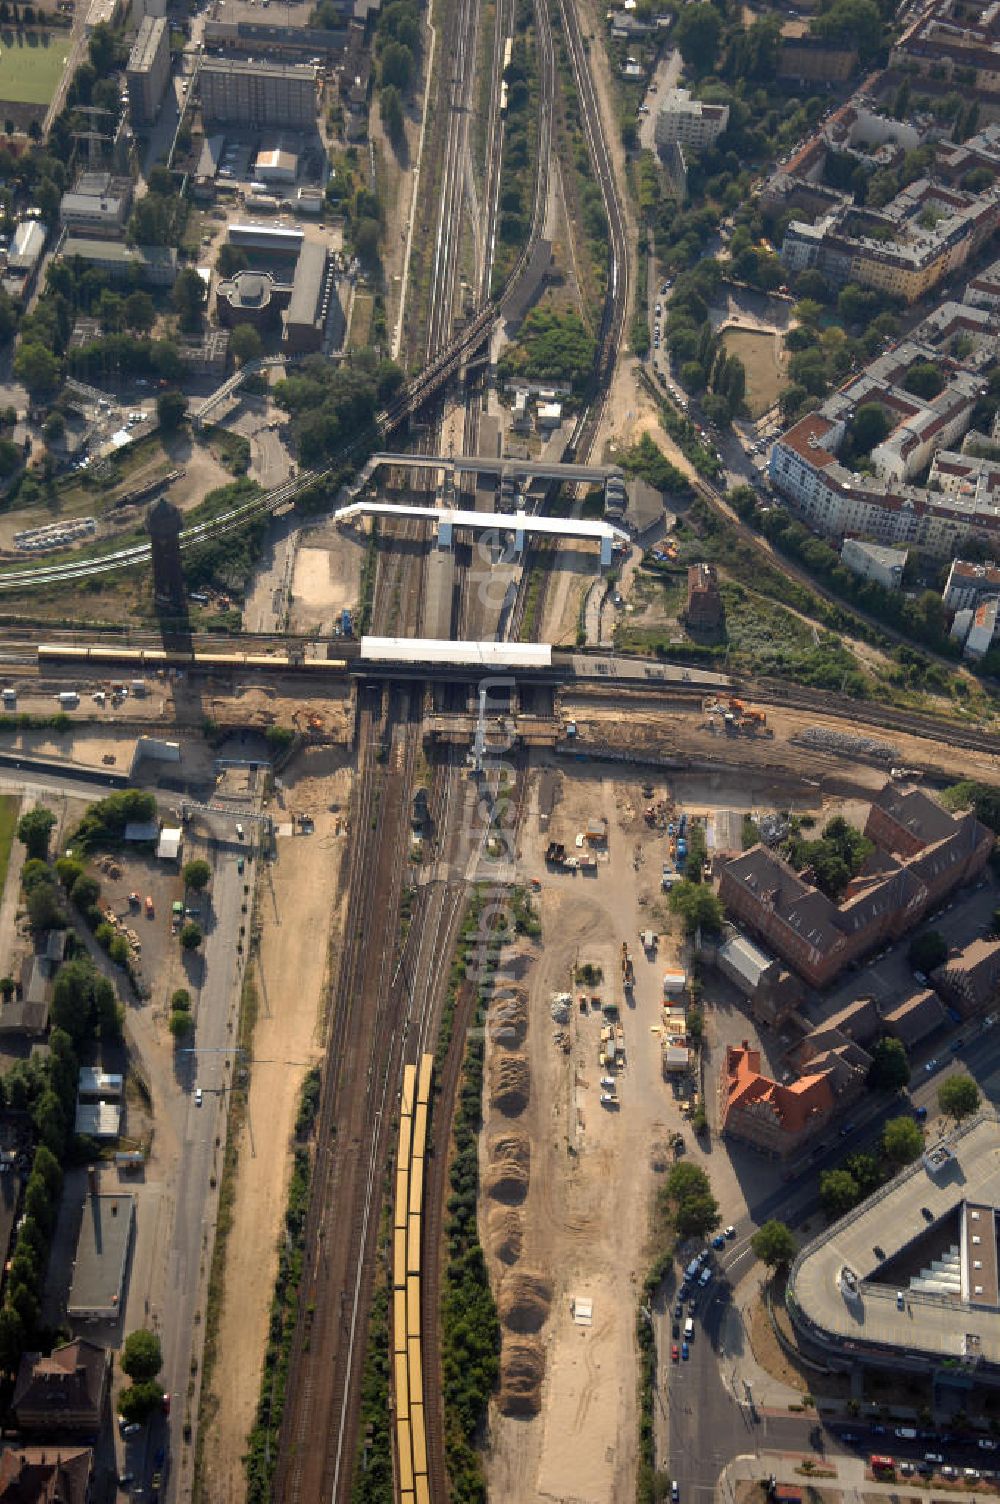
{"x": 681, "y": 731}
{"x": 586, "y": 1223}
{"x": 298, "y": 915}
{"x": 326, "y": 578}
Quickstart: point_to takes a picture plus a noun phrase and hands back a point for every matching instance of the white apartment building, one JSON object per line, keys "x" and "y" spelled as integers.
{"x": 967, "y": 584}
{"x": 684, "y": 121}
{"x": 873, "y": 561}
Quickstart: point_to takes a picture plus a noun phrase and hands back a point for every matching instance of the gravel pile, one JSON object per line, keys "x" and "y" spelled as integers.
{"x": 846, "y": 744}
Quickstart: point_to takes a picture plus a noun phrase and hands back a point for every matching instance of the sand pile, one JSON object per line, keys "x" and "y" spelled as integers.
{"x": 513, "y": 1146}
{"x": 510, "y": 1084}
{"x": 522, "y": 1368}
{"x": 505, "y": 1233}
{"x": 507, "y": 1176}
{"x": 524, "y": 1300}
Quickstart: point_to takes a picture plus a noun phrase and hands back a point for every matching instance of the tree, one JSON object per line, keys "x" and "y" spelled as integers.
{"x": 54, "y": 429}
{"x": 697, "y": 905}
{"x": 697, "y": 34}
{"x": 697, "y": 1216}
{"x": 923, "y": 379}
{"x": 686, "y": 1179}
{"x": 868, "y": 428}
{"x": 958, "y": 1097}
{"x": 44, "y": 909}
{"x": 139, "y": 1401}
{"x": 7, "y": 988}
{"x": 50, "y": 1122}
{"x": 85, "y": 892}
{"x": 189, "y": 299}
{"x": 230, "y": 260}
{"x": 902, "y": 1140}
{"x": 391, "y": 106}
{"x": 245, "y": 343}
{"x": 366, "y": 238}
{"x": 927, "y": 951}
{"x": 197, "y": 875}
{"x": 697, "y": 853}
{"x": 839, "y": 1192}
{"x": 397, "y": 66}
{"x": 171, "y": 410}
{"x": 139, "y": 312}
{"x": 119, "y": 951}
{"x": 181, "y": 1024}
{"x": 191, "y": 936}
{"x": 72, "y": 999}
{"x": 37, "y": 368}
{"x": 890, "y": 1068}
{"x": 774, "y": 1244}
{"x": 34, "y": 829}
{"x": 180, "y": 1000}
{"x": 141, "y": 1356}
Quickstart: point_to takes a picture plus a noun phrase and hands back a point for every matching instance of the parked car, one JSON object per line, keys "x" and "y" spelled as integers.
{"x": 674, "y": 1353}
{"x": 730, "y": 1232}
{"x": 685, "y": 1351}
{"x": 197, "y": 1096}
{"x": 718, "y": 1241}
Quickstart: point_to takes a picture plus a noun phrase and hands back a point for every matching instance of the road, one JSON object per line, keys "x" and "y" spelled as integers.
{"x": 216, "y": 982}
{"x": 700, "y": 1423}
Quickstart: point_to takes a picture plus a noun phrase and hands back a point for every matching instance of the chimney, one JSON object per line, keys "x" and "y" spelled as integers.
{"x": 92, "y": 1179}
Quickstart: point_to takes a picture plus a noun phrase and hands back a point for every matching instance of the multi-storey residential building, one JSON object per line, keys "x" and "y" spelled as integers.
{"x": 927, "y": 232}
{"x": 148, "y": 69}
{"x": 967, "y": 584}
{"x": 874, "y": 562}
{"x": 64, "y": 1391}
{"x": 923, "y": 853}
{"x": 961, "y": 499}
{"x": 684, "y": 121}
{"x": 260, "y": 94}
{"x": 954, "y": 41}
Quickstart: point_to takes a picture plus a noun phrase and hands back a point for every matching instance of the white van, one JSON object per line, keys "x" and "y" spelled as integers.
{"x": 688, "y": 1329}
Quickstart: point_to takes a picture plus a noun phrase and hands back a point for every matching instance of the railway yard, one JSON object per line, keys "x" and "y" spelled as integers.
{"x": 449, "y": 1033}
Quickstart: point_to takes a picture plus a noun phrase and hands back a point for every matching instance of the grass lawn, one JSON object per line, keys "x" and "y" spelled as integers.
{"x": 31, "y": 64}
{"x": 10, "y": 805}
{"x": 763, "y": 357}
{"x": 361, "y": 320}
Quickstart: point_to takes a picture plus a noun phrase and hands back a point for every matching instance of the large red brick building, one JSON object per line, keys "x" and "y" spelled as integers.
{"x": 922, "y": 854}
{"x": 771, "y": 1117}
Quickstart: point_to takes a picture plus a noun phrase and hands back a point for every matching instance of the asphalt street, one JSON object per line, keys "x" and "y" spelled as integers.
{"x": 209, "y": 1067}
{"x": 703, "y": 1417}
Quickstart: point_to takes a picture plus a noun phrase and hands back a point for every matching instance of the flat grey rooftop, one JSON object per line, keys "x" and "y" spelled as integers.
{"x": 941, "y": 1327}
{"x": 101, "y": 1256}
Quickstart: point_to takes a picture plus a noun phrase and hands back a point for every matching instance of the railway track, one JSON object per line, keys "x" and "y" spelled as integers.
{"x": 612, "y": 328}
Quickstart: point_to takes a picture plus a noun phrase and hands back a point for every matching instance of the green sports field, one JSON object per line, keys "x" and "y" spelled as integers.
{"x": 31, "y": 64}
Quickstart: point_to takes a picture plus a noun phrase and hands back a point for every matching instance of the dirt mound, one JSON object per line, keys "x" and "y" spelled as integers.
{"x": 509, "y": 1019}
{"x": 512, "y": 1146}
{"x": 525, "y": 1297}
{"x": 522, "y": 1368}
{"x": 510, "y": 1084}
{"x": 507, "y": 1181}
{"x": 505, "y": 1233}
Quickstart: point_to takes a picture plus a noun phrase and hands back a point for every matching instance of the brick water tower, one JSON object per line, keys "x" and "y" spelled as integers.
{"x": 164, "y": 526}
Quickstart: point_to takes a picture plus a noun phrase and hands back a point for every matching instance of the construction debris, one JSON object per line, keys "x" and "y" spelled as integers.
{"x": 846, "y": 744}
